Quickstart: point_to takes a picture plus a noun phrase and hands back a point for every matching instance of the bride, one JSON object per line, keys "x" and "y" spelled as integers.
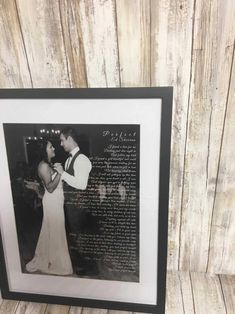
{"x": 51, "y": 254}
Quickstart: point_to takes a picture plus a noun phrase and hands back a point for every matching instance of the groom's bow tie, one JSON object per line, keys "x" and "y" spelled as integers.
{"x": 70, "y": 155}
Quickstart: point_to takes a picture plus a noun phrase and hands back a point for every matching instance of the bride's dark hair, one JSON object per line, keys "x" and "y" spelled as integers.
{"x": 42, "y": 156}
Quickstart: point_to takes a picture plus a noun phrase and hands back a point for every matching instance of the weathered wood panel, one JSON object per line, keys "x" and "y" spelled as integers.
{"x": 74, "y": 45}
{"x": 178, "y": 293}
{"x": 212, "y": 50}
{"x": 171, "y": 44}
{"x": 75, "y": 310}
{"x": 30, "y": 308}
{"x": 41, "y": 28}
{"x": 87, "y": 310}
{"x": 133, "y": 24}
{"x": 222, "y": 246}
{"x": 8, "y": 306}
{"x": 208, "y": 295}
{"x": 186, "y": 290}
{"x": 228, "y": 287}
{"x": 14, "y": 71}
{"x": 98, "y": 25}
{"x": 57, "y": 309}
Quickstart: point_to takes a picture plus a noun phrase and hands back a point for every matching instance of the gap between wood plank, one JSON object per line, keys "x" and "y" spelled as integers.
{"x": 23, "y": 41}
{"x": 220, "y": 153}
{"x": 186, "y": 134}
{"x": 181, "y": 290}
{"x": 222, "y": 292}
{"x": 63, "y": 37}
{"x": 193, "y": 297}
{"x": 117, "y": 42}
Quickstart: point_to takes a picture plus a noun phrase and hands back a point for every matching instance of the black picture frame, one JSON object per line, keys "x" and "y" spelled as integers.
{"x": 165, "y": 95}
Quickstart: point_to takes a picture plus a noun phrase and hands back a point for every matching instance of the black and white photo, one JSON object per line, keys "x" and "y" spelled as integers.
{"x": 76, "y": 195}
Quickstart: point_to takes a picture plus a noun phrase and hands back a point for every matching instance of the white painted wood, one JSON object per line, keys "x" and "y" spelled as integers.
{"x": 179, "y": 294}
{"x": 186, "y": 290}
{"x": 87, "y": 310}
{"x": 74, "y": 45}
{"x": 208, "y": 296}
{"x": 14, "y": 70}
{"x": 222, "y": 245}
{"x": 42, "y": 33}
{"x": 174, "y": 300}
{"x": 171, "y": 41}
{"x": 75, "y": 310}
{"x": 228, "y": 287}
{"x": 8, "y": 306}
{"x": 212, "y": 57}
{"x": 133, "y": 23}
{"x": 30, "y": 308}
{"x": 57, "y": 309}
{"x": 98, "y": 25}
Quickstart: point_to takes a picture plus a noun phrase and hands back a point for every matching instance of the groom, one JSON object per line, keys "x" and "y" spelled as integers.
{"x": 75, "y": 177}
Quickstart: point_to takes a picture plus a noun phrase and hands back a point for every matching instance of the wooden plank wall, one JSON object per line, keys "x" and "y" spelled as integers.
{"x": 188, "y": 44}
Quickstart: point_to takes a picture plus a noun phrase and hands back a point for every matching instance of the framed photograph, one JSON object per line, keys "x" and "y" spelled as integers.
{"x": 85, "y": 187}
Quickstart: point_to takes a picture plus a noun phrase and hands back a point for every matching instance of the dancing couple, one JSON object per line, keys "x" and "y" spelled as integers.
{"x": 52, "y": 254}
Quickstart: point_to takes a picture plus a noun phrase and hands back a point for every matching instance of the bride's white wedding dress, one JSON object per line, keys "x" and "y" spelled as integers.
{"x": 51, "y": 254}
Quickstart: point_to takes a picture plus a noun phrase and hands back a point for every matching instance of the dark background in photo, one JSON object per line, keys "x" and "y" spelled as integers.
{"x": 108, "y": 243}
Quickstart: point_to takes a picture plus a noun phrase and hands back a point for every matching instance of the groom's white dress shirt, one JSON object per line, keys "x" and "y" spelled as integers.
{"x": 82, "y": 167}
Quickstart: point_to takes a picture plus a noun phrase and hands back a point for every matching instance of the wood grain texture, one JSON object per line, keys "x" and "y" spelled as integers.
{"x": 133, "y": 24}
{"x": 222, "y": 245}
{"x": 87, "y": 310}
{"x": 42, "y": 33}
{"x": 14, "y": 71}
{"x": 178, "y": 293}
{"x": 186, "y": 290}
{"x": 228, "y": 287}
{"x": 213, "y": 33}
{"x": 98, "y": 25}
{"x": 57, "y": 309}
{"x": 30, "y": 308}
{"x": 174, "y": 301}
{"x": 73, "y": 40}
{"x": 75, "y": 310}
{"x": 208, "y": 296}
{"x": 171, "y": 44}
{"x": 8, "y": 306}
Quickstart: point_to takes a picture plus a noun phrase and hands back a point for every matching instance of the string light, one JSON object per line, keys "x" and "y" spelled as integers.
{"x": 52, "y": 132}
{"x": 43, "y": 132}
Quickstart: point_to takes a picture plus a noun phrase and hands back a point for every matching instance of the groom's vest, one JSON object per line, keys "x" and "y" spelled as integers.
{"x": 71, "y": 195}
